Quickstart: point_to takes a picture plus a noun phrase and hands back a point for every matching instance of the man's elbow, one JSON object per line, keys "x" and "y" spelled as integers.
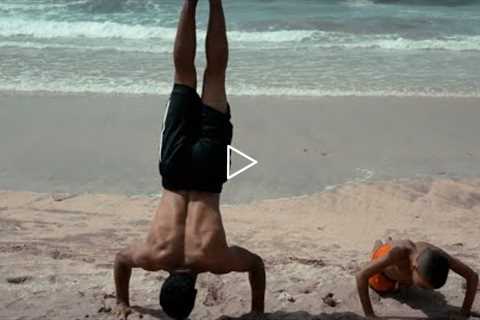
{"x": 360, "y": 278}
{"x": 120, "y": 259}
{"x": 256, "y": 266}
{"x": 258, "y": 263}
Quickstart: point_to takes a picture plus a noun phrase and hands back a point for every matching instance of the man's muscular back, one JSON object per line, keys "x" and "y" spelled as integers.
{"x": 187, "y": 232}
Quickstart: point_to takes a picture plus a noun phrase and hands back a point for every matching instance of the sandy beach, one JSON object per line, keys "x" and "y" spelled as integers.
{"x": 79, "y": 180}
{"x": 61, "y": 251}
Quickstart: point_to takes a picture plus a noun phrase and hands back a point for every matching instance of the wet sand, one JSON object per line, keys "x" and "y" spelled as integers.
{"x": 109, "y": 144}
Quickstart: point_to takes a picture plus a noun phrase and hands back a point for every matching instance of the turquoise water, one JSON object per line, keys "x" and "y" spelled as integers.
{"x": 303, "y": 47}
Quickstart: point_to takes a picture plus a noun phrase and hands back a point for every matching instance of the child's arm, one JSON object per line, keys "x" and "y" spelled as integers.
{"x": 472, "y": 282}
{"x": 373, "y": 268}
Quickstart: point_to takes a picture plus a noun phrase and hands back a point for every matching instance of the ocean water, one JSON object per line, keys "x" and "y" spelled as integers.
{"x": 278, "y": 47}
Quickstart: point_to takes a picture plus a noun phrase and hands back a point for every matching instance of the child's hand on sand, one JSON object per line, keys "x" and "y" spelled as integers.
{"x": 122, "y": 311}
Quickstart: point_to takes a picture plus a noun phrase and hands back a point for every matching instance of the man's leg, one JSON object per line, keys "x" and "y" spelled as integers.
{"x": 182, "y": 116}
{"x": 214, "y": 94}
{"x": 185, "y": 46}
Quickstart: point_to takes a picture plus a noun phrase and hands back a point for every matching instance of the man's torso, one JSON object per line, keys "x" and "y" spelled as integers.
{"x": 189, "y": 224}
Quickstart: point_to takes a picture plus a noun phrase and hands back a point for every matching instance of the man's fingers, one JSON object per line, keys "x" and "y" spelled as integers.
{"x": 125, "y": 314}
{"x": 122, "y": 313}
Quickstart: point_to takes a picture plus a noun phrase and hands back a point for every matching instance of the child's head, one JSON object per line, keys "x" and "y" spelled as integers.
{"x": 430, "y": 269}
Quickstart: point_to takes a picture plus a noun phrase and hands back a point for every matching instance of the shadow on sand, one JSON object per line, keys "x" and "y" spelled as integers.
{"x": 154, "y": 313}
{"x": 280, "y": 315}
{"x": 431, "y": 303}
{"x": 301, "y": 315}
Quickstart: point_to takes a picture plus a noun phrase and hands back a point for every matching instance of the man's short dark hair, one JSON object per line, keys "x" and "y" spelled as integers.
{"x": 178, "y": 293}
{"x": 433, "y": 266}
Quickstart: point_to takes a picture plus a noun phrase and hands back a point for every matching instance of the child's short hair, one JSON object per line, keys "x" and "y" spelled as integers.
{"x": 433, "y": 266}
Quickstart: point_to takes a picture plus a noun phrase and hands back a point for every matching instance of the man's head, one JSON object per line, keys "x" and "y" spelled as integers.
{"x": 431, "y": 269}
{"x": 178, "y": 294}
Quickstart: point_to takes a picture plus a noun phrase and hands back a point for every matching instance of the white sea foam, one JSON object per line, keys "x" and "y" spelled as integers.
{"x": 359, "y": 3}
{"x": 393, "y": 42}
{"x": 62, "y": 29}
{"x": 18, "y": 6}
{"x": 87, "y": 47}
{"x": 164, "y": 88}
{"x": 42, "y": 29}
{"x": 453, "y": 43}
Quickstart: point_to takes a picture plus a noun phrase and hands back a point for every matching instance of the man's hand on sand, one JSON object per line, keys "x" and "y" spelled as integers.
{"x": 122, "y": 311}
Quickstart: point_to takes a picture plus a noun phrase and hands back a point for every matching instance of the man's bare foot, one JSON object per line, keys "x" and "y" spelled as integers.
{"x": 122, "y": 311}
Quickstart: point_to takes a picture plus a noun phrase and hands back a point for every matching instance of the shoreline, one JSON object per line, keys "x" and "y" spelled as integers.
{"x": 387, "y": 95}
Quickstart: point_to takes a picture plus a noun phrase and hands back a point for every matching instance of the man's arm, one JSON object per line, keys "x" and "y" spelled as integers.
{"x": 136, "y": 256}
{"x": 472, "y": 283}
{"x": 371, "y": 269}
{"x": 241, "y": 260}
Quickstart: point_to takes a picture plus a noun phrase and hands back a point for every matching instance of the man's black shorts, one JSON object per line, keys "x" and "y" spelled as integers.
{"x": 193, "y": 152}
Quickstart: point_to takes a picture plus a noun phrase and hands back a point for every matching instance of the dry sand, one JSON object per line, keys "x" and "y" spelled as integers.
{"x": 60, "y": 248}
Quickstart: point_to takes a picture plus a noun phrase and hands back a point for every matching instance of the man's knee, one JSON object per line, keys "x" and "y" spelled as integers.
{"x": 186, "y": 76}
{"x": 184, "y": 69}
{"x": 217, "y": 59}
{"x": 214, "y": 81}
{"x": 216, "y": 71}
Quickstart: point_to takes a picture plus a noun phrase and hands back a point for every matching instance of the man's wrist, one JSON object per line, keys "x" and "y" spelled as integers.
{"x": 258, "y": 309}
{"x": 123, "y": 302}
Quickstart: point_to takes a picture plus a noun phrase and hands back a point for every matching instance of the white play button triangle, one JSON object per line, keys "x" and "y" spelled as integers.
{"x": 252, "y": 162}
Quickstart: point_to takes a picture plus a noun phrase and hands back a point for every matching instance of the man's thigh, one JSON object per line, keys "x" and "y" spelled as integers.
{"x": 214, "y": 92}
{"x": 209, "y": 153}
{"x": 180, "y": 128}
